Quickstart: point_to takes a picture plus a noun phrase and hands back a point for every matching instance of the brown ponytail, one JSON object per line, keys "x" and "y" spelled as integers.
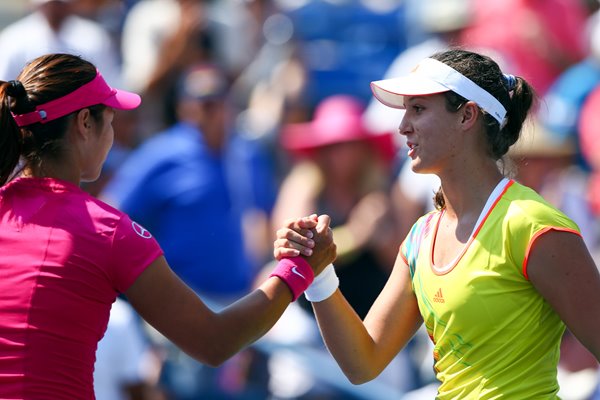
{"x": 438, "y": 199}
{"x": 11, "y": 141}
{"x": 520, "y": 101}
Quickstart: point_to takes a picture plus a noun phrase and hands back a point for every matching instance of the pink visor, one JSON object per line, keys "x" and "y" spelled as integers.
{"x": 94, "y": 92}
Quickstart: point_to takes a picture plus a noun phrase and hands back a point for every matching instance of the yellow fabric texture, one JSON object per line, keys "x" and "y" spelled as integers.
{"x": 494, "y": 335}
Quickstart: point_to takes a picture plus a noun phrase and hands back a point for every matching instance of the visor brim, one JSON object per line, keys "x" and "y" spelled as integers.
{"x": 391, "y": 92}
{"x": 123, "y": 100}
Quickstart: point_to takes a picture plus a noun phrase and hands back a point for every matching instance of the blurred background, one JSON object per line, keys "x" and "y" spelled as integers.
{"x": 255, "y": 111}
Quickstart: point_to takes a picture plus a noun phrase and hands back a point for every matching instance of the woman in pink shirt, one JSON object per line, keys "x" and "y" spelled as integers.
{"x": 65, "y": 256}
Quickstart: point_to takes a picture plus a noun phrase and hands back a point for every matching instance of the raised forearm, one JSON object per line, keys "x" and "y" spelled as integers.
{"x": 364, "y": 348}
{"x": 247, "y": 320}
{"x": 171, "y": 307}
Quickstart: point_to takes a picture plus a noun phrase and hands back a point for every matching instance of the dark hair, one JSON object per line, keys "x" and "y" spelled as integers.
{"x": 515, "y": 94}
{"x": 44, "y": 79}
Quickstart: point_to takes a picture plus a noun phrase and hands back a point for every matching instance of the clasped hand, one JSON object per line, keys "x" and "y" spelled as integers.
{"x": 308, "y": 237}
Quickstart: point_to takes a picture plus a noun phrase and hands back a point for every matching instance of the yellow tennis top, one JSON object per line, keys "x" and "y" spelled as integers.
{"x": 494, "y": 335}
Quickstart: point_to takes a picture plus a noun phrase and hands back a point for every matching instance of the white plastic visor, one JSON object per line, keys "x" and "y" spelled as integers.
{"x": 431, "y": 77}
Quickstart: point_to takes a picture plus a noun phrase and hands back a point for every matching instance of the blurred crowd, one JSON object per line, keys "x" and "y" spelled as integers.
{"x": 256, "y": 111}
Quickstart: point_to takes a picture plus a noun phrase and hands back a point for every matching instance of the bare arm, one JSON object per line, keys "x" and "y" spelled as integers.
{"x": 363, "y": 350}
{"x": 563, "y": 271}
{"x": 171, "y": 307}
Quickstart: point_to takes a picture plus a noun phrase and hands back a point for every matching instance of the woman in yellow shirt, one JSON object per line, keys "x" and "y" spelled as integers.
{"x": 495, "y": 272}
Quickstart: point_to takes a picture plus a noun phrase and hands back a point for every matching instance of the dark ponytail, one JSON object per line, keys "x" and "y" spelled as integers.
{"x": 12, "y": 96}
{"x": 520, "y": 101}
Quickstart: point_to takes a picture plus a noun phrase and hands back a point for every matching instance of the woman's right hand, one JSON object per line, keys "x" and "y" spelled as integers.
{"x": 309, "y": 237}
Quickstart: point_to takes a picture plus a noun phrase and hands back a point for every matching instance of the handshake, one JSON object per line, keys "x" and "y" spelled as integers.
{"x": 305, "y": 249}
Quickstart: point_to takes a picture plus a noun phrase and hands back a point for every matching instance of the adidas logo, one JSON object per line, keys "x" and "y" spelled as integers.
{"x": 438, "y": 297}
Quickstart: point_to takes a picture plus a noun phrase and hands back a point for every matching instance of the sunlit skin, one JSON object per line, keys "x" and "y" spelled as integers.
{"x": 430, "y": 134}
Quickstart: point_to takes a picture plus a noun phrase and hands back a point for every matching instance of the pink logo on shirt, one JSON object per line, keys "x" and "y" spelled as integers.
{"x": 140, "y": 230}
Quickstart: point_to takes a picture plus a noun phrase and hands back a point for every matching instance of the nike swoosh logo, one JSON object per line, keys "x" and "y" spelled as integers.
{"x": 295, "y": 271}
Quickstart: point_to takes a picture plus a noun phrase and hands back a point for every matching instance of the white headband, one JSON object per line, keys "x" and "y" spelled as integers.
{"x": 431, "y": 77}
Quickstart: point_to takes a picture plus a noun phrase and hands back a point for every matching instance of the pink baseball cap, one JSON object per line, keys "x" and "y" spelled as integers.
{"x": 97, "y": 91}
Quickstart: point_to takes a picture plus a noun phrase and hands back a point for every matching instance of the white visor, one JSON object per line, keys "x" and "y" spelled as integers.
{"x": 431, "y": 77}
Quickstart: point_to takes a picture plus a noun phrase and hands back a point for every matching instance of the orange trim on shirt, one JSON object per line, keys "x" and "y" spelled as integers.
{"x": 401, "y": 254}
{"x": 509, "y": 184}
{"x": 535, "y": 237}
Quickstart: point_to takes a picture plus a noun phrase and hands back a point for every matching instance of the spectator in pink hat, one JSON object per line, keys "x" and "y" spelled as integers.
{"x": 343, "y": 169}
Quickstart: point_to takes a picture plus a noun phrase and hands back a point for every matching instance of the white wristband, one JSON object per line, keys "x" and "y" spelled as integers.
{"x": 324, "y": 285}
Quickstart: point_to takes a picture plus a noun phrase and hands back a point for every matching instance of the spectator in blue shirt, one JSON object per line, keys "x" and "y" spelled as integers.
{"x": 193, "y": 184}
